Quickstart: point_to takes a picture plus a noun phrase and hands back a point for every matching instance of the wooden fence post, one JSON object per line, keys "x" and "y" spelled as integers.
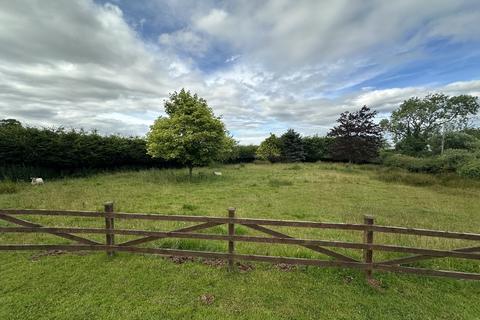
{"x": 368, "y": 239}
{"x": 231, "y": 243}
{"x": 109, "y": 225}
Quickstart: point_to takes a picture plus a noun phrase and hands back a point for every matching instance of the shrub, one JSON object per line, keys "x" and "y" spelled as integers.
{"x": 453, "y": 159}
{"x": 412, "y": 164}
{"x": 453, "y": 140}
{"x": 470, "y": 169}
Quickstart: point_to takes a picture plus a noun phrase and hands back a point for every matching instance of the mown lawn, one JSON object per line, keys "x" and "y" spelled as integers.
{"x": 92, "y": 286}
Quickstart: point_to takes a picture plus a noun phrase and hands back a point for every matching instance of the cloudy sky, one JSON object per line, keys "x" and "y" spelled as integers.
{"x": 265, "y": 66}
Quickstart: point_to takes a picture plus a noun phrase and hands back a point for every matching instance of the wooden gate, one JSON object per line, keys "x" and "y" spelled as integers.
{"x": 326, "y": 247}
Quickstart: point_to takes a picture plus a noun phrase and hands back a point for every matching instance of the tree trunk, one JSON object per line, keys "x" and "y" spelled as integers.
{"x": 190, "y": 169}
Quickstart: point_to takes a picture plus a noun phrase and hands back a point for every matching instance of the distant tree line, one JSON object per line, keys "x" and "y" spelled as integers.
{"x": 56, "y": 152}
{"x": 356, "y": 138}
{"x": 431, "y": 134}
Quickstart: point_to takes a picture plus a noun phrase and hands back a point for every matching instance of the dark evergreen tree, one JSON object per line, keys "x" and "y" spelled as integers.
{"x": 292, "y": 147}
{"x": 357, "y": 138}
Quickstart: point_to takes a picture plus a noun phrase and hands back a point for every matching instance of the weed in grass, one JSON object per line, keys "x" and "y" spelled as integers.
{"x": 279, "y": 182}
{"x": 189, "y": 207}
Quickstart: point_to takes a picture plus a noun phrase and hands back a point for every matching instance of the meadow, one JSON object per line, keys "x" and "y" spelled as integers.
{"x": 58, "y": 285}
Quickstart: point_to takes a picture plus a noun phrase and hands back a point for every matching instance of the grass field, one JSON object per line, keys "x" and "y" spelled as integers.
{"x": 93, "y": 286}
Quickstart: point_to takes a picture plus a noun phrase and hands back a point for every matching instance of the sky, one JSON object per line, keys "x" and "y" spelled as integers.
{"x": 263, "y": 66}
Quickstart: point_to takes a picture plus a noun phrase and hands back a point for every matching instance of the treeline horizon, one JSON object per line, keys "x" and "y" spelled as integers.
{"x": 421, "y": 128}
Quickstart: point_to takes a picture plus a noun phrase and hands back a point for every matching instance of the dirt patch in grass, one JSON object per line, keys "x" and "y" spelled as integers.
{"x": 207, "y": 299}
{"x": 180, "y": 260}
{"x": 39, "y": 255}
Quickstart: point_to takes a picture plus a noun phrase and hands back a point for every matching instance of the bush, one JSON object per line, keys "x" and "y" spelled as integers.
{"x": 453, "y": 140}
{"x": 412, "y": 164}
{"x": 470, "y": 169}
{"x": 453, "y": 159}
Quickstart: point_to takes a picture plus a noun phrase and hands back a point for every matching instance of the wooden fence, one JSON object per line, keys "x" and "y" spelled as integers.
{"x": 368, "y": 228}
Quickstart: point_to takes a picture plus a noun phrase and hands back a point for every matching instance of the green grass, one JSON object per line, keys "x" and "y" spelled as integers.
{"x": 128, "y": 286}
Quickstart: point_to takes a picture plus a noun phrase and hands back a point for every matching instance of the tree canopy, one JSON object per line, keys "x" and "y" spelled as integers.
{"x": 356, "y": 137}
{"x": 317, "y": 148}
{"x": 417, "y": 120}
{"x": 292, "y": 149}
{"x": 190, "y": 134}
{"x": 270, "y": 149}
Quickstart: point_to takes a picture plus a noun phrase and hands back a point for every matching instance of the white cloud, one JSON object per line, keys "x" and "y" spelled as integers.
{"x": 213, "y": 21}
{"x": 183, "y": 40}
{"x": 289, "y": 64}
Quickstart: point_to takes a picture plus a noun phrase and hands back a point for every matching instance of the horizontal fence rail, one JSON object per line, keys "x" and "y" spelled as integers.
{"x": 269, "y": 222}
{"x": 368, "y": 247}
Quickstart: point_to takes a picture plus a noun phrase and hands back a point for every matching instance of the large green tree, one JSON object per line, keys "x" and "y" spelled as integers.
{"x": 417, "y": 120}
{"x": 292, "y": 149}
{"x": 356, "y": 137}
{"x": 270, "y": 149}
{"x": 190, "y": 133}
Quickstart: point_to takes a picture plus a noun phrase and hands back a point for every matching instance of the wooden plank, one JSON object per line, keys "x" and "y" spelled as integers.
{"x": 311, "y": 247}
{"x": 231, "y": 243}
{"x": 110, "y": 226}
{"x": 159, "y": 217}
{"x": 244, "y": 257}
{"x": 302, "y": 242}
{"x": 425, "y": 232}
{"x": 285, "y": 223}
{"x": 186, "y": 229}
{"x": 368, "y": 239}
{"x": 35, "y": 225}
{"x": 416, "y": 258}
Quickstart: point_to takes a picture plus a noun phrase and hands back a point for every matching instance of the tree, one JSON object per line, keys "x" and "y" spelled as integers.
{"x": 416, "y": 120}
{"x": 270, "y": 149}
{"x": 357, "y": 138}
{"x": 317, "y": 148}
{"x": 453, "y": 140}
{"x": 291, "y": 146}
{"x": 190, "y": 134}
{"x": 10, "y": 123}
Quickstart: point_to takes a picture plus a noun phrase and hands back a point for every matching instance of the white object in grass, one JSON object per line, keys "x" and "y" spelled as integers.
{"x": 37, "y": 181}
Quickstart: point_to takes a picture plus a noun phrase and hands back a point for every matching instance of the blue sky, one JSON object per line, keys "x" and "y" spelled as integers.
{"x": 265, "y": 66}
